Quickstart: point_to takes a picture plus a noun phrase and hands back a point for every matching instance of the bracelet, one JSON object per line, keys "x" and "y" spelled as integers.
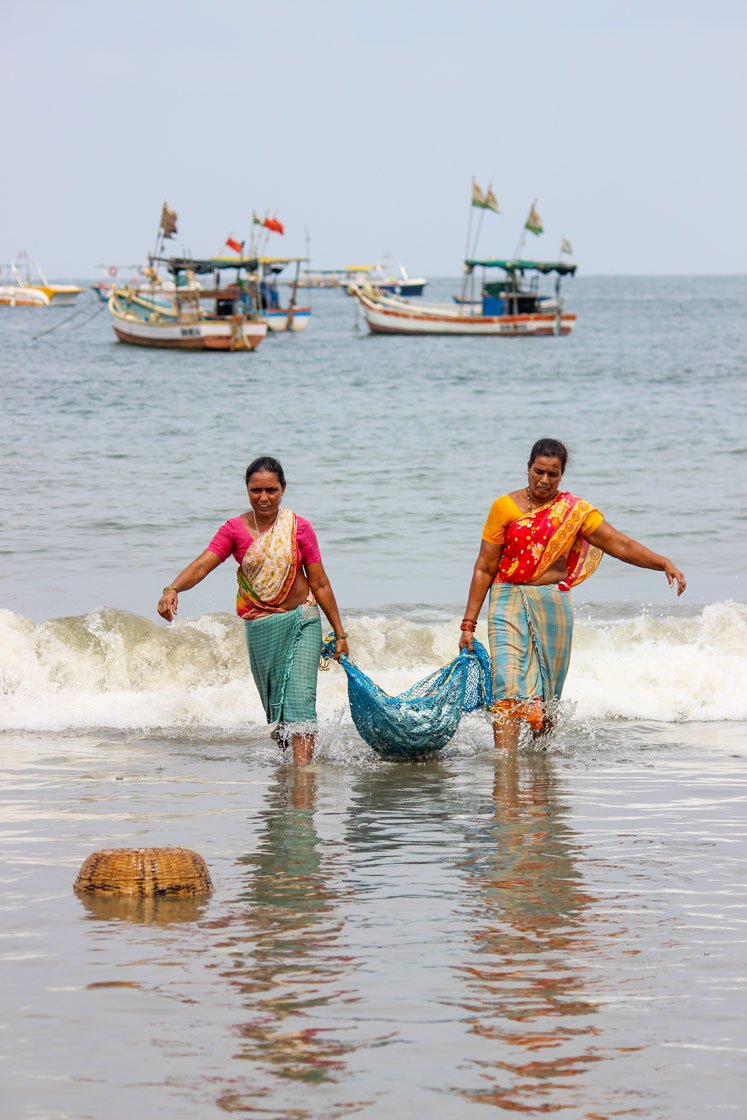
{"x": 472, "y": 620}
{"x": 341, "y": 637}
{"x": 468, "y": 629}
{"x": 169, "y": 588}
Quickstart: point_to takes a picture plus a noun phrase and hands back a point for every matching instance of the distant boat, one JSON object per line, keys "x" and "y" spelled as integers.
{"x": 401, "y": 284}
{"x": 279, "y": 317}
{"x": 23, "y": 284}
{"x": 104, "y": 288}
{"x": 188, "y": 317}
{"x": 508, "y": 308}
{"x": 322, "y": 279}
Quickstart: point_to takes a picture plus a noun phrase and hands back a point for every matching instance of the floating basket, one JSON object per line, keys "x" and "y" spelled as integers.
{"x": 144, "y": 873}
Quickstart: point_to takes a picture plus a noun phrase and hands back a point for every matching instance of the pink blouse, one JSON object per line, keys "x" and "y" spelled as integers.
{"x": 233, "y": 538}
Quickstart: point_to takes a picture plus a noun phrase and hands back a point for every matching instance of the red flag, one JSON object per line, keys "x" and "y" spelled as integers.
{"x": 274, "y": 225}
{"x": 235, "y": 245}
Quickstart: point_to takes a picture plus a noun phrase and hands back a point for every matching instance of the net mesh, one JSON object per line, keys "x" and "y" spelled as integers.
{"x": 425, "y": 717}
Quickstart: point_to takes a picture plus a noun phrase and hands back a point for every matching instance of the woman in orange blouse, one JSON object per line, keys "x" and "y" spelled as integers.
{"x": 538, "y": 543}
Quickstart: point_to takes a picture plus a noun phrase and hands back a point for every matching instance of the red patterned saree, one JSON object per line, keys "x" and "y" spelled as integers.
{"x": 535, "y": 541}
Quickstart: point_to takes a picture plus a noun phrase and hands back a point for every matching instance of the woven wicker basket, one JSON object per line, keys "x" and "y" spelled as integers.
{"x": 144, "y": 873}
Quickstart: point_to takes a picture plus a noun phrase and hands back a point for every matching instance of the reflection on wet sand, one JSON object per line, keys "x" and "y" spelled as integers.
{"x": 284, "y": 944}
{"x": 529, "y": 992}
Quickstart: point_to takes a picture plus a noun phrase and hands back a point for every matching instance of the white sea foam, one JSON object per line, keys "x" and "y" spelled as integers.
{"x": 118, "y": 670}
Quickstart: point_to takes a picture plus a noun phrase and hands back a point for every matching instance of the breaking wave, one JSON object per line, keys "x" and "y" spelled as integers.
{"x": 112, "y": 669}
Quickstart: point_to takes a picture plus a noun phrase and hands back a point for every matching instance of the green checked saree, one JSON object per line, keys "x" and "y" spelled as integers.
{"x": 284, "y": 654}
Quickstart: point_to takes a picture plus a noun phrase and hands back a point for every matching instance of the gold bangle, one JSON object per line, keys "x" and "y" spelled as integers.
{"x": 341, "y": 637}
{"x": 169, "y": 588}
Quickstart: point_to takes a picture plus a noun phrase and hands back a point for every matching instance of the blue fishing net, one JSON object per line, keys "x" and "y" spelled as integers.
{"x": 424, "y": 718}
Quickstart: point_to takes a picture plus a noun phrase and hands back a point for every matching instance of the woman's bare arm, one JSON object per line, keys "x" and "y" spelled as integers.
{"x": 484, "y": 572}
{"x": 630, "y": 551}
{"x": 325, "y": 597}
{"x": 193, "y": 574}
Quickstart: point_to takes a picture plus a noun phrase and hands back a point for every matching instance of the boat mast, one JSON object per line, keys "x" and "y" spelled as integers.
{"x": 467, "y": 274}
{"x": 523, "y": 237}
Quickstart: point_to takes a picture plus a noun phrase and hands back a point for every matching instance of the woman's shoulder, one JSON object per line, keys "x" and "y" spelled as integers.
{"x": 507, "y": 505}
{"x": 236, "y": 527}
{"x": 303, "y": 525}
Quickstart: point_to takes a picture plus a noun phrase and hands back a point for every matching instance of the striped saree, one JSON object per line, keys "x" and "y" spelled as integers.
{"x": 530, "y": 631}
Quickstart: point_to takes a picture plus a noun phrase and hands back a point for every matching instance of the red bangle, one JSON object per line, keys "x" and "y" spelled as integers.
{"x": 468, "y": 629}
{"x": 474, "y": 620}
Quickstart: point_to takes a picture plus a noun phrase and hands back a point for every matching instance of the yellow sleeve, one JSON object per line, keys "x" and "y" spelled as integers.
{"x": 503, "y": 511}
{"x": 591, "y": 522}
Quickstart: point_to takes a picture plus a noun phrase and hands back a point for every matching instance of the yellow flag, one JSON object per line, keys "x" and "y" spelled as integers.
{"x": 534, "y": 222}
{"x": 168, "y": 221}
{"x": 491, "y": 202}
{"x": 478, "y": 198}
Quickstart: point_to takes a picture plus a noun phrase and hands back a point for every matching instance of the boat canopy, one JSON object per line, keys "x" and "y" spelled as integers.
{"x": 561, "y": 267}
{"x": 200, "y": 266}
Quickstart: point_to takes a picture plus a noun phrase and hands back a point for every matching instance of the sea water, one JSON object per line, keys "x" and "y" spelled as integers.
{"x": 560, "y": 931}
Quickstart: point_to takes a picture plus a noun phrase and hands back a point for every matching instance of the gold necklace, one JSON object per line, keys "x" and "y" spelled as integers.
{"x": 256, "y": 523}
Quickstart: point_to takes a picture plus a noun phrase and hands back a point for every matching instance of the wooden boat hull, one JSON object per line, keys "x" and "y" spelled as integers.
{"x": 166, "y": 330}
{"x": 391, "y": 316}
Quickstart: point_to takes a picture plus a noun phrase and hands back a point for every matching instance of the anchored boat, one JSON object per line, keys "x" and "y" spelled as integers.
{"x": 25, "y": 285}
{"x": 279, "y": 317}
{"x": 512, "y": 307}
{"x": 189, "y": 316}
{"x": 383, "y": 280}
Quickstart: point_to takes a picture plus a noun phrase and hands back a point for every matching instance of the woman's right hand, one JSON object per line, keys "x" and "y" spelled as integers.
{"x": 168, "y": 604}
{"x": 466, "y": 639}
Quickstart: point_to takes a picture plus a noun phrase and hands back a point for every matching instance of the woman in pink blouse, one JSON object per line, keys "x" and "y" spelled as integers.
{"x": 281, "y": 585}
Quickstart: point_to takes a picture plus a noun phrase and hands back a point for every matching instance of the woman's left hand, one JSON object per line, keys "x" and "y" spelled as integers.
{"x": 674, "y": 575}
{"x": 341, "y": 648}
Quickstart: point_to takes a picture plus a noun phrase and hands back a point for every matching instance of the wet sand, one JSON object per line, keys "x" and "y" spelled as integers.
{"x": 560, "y": 931}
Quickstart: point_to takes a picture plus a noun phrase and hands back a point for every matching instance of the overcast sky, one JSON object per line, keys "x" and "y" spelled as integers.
{"x": 365, "y": 122}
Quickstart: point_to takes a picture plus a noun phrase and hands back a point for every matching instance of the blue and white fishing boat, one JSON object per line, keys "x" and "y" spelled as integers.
{"x": 382, "y": 280}
{"x": 280, "y": 317}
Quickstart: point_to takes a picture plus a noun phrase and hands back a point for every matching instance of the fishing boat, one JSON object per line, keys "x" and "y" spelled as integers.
{"x": 188, "y": 315}
{"x": 23, "y": 284}
{"x": 279, "y": 317}
{"x": 383, "y": 280}
{"x": 511, "y": 307}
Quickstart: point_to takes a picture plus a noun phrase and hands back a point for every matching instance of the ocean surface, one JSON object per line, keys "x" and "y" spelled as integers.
{"x": 559, "y": 932}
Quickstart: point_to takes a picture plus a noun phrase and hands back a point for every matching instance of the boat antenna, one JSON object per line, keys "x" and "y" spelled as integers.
{"x": 307, "y": 242}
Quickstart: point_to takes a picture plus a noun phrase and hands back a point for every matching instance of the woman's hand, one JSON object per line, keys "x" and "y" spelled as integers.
{"x": 466, "y": 640}
{"x": 341, "y": 649}
{"x": 674, "y": 575}
{"x": 168, "y": 604}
